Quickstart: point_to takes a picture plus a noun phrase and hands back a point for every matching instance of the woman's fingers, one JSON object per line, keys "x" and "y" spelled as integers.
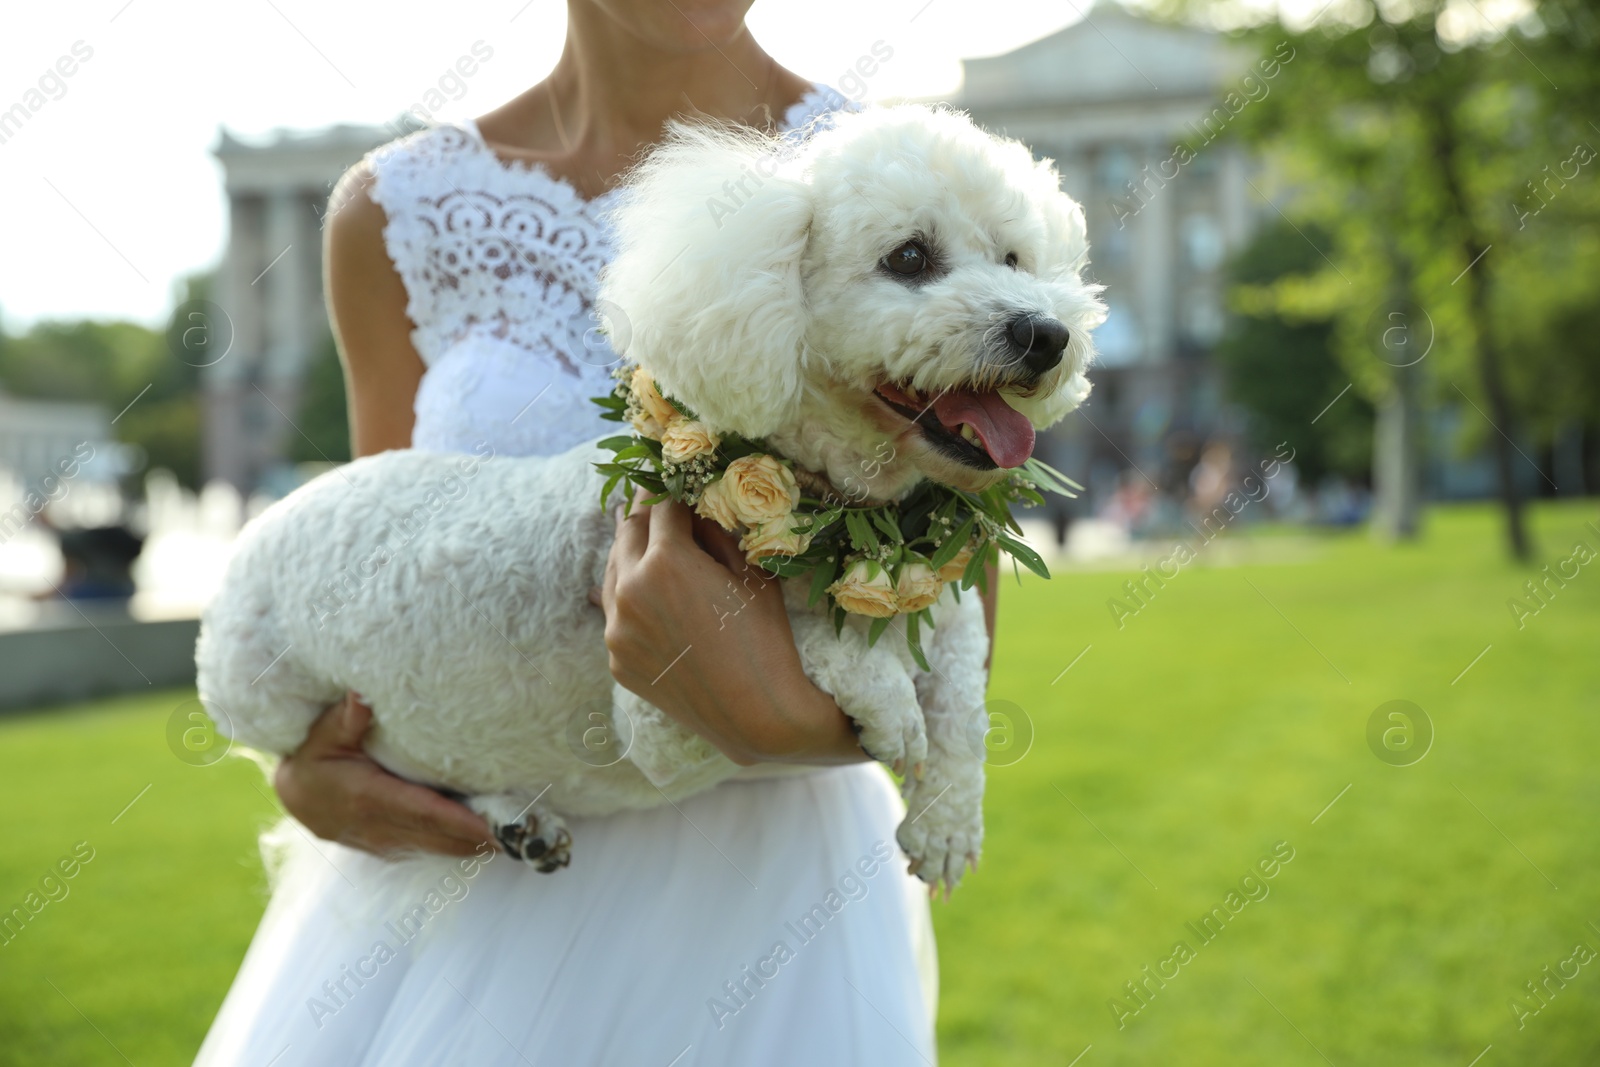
{"x": 419, "y": 814}
{"x": 340, "y": 727}
{"x": 721, "y": 545}
{"x": 625, "y": 548}
{"x": 402, "y": 845}
{"x": 633, "y": 534}
{"x": 332, "y": 786}
{"x": 632, "y": 537}
{"x": 670, "y": 524}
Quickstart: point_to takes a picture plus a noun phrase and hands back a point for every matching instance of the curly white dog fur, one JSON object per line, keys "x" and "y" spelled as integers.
{"x": 900, "y": 284}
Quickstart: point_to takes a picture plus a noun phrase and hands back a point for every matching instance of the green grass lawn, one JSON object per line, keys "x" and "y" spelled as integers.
{"x": 1178, "y": 751}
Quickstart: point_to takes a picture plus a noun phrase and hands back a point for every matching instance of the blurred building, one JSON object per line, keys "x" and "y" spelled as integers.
{"x": 1110, "y": 99}
{"x": 269, "y": 316}
{"x": 39, "y": 437}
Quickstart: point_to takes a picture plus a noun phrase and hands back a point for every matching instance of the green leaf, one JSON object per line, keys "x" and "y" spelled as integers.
{"x": 821, "y": 578}
{"x": 861, "y": 535}
{"x": 605, "y": 493}
{"x": 1024, "y": 555}
{"x": 883, "y": 520}
{"x": 1031, "y": 496}
{"x": 1047, "y": 477}
{"x": 615, "y": 443}
{"x": 953, "y": 544}
{"x": 838, "y": 620}
{"x": 735, "y": 447}
{"x": 974, "y": 574}
{"x": 875, "y": 631}
{"x": 914, "y": 641}
{"x": 785, "y": 566}
{"x": 647, "y": 480}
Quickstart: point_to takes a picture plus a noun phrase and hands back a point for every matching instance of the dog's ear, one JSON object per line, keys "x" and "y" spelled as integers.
{"x": 709, "y": 235}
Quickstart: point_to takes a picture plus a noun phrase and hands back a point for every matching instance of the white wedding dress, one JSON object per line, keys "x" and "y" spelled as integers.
{"x": 768, "y": 922}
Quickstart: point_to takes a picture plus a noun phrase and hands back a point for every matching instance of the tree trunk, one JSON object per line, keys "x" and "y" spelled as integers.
{"x": 1494, "y": 390}
{"x": 1397, "y": 460}
{"x": 1476, "y": 278}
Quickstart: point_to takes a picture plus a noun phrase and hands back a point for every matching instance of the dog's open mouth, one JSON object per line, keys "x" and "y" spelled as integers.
{"x": 971, "y": 426}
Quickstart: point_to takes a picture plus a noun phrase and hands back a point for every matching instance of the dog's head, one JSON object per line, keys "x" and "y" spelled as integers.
{"x": 896, "y": 296}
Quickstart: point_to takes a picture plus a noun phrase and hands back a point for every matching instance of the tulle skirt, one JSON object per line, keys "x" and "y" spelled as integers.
{"x": 766, "y": 922}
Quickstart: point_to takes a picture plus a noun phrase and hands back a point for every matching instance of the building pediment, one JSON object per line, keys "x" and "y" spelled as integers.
{"x": 1109, "y": 55}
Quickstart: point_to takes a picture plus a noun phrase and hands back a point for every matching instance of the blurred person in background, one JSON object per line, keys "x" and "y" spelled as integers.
{"x": 1211, "y": 480}
{"x": 98, "y": 562}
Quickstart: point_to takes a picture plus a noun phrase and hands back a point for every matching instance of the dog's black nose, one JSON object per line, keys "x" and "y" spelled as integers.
{"x": 1039, "y": 339}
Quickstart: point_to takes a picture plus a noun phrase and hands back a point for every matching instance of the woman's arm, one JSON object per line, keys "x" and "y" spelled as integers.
{"x": 329, "y": 783}
{"x": 737, "y": 684}
{"x": 367, "y": 308}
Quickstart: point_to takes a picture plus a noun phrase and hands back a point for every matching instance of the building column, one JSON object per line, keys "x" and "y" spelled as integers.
{"x": 285, "y": 286}
{"x": 225, "y": 383}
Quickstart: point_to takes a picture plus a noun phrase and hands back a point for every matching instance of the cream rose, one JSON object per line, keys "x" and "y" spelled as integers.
{"x": 760, "y": 489}
{"x": 652, "y": 404}
{"x": 917, "y": 588}
{"x": 716, "y": 504}
{"x": 952, "y": 571}
{"x": 775, "y": 538}
{"x": 865, "y": 589}
{"x": 686, "y": 439}
{"x": 645, "y": 426}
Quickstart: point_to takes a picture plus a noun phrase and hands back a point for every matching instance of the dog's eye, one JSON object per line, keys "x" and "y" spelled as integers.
{"x": 908, "y": 261}
{"x": 1011, "y": 260}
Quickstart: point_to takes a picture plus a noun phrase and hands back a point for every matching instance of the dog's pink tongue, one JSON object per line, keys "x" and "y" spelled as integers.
{"x": 1006, "y": 433}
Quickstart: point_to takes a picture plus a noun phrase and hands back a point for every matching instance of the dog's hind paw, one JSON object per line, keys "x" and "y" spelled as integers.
{"x": 526, "y": 830}
{"x": 941, "y": 846}
{"x": 897, "y": 739}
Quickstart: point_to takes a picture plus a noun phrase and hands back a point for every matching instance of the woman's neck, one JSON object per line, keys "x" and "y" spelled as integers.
{"x": 611, "y": 94}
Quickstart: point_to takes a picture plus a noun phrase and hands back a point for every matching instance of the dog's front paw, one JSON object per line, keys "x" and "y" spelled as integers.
{"x": 898, "y": 738}
{"x": 527, "y": 831}
{"x": 941, "y": 839}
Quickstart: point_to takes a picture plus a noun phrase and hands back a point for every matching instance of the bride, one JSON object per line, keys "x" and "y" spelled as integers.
{"x": 768, "y": 921}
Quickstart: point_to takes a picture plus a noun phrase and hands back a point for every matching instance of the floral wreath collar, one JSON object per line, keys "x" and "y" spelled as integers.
{"x": 872, "y": 559}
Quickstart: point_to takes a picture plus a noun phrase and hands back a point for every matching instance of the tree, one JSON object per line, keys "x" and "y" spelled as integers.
{"x": 1408, "y": 131}
{"x": 1284, "y": 370}
{"x": 323, "y": 416}
{"x": 124, "y": 367}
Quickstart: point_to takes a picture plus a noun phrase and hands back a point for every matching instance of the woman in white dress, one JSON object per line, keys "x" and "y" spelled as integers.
{"x": 767, "y": 922}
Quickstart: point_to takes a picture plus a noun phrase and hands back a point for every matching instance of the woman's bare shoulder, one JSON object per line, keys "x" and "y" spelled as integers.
{"x": 354, "y": 217}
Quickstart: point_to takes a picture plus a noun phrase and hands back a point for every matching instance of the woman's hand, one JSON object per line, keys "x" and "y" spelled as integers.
{"x": 704, "y": 637}
{"x": 336, "y": 790}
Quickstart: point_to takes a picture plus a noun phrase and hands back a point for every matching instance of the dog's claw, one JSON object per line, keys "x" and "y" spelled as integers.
{"x": 525, "y": 843}
{"x": 918, "y": 768}
{"x": 915, "y": 866}
{"x": 526, "y": 832}
{"x": 898, "y": 766}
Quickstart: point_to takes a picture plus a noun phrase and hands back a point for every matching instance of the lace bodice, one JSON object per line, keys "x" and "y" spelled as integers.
{"x": 500, "y": 262}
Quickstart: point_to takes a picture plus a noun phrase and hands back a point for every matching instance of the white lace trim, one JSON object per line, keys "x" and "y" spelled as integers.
{"x": 500, "y": 261}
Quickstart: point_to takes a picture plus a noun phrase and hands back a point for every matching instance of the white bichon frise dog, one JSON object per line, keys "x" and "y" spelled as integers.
{"x": 897, "y": 297}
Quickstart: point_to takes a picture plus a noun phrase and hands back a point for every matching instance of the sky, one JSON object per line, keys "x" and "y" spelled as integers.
{"x": 110, "y": 192}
